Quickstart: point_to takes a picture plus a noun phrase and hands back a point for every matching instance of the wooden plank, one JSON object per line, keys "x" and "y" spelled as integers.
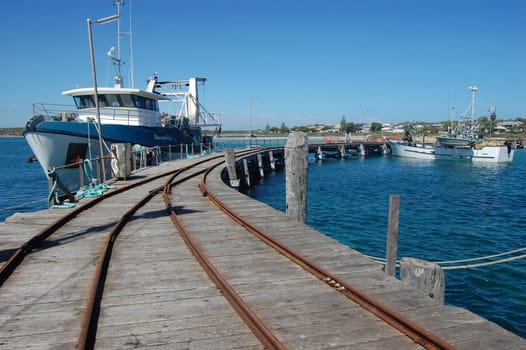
{"x": 156, "y": 294}
{"x": 163, "y": 302}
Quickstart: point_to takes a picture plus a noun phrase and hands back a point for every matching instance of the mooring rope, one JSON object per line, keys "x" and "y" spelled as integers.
{"x": 481, "y": 258}
{"x": 468, "y": 266}
{"x": 484, "y": 264}
{"x": 54, "y": 192}
{"x": 23, "y": 204}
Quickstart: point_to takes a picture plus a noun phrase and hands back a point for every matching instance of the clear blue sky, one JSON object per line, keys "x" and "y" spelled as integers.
{"x": 305, "y": 61}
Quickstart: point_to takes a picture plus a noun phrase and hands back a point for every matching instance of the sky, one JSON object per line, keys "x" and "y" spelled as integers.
{"x": 301, "y": 62}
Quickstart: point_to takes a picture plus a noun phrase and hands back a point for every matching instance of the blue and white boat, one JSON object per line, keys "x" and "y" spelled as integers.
{"x": 59, "y": 135}
{"x": 461, "y": 144}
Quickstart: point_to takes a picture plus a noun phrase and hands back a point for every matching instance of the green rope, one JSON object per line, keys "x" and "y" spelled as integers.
{"x": 90, "y": 191}
{"x": 93, "y": 191}
{"x": 54, "y": 192}
{"x": 88, "y": 171}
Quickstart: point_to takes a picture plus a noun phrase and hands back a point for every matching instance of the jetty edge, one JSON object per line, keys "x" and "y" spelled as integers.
{"x": 459, "y": 327}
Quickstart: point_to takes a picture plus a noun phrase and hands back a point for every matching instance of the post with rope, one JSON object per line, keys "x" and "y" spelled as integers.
{"x": 424, "y": 276}
{"x": 54, "y": 185}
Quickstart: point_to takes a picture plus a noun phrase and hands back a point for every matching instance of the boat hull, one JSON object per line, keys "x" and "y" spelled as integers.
{"x": 488, "y": 154}
{"x": 56, "y": 144}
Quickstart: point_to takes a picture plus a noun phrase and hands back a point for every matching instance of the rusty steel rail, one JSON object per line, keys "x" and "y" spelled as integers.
{"x": 90, "y": 317}
{"x": 91, "y": 313}
{"x": 256, "y": 325}
{"x": 36, "y": 241}
{"x": 386, "y": 314}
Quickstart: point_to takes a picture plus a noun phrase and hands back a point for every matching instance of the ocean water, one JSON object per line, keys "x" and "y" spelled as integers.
{"x": 23, "y": 185}
{"x": 448, "y": 211}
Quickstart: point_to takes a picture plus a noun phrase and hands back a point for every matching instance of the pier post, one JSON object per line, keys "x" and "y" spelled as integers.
{"x": 319, "y": 153}
{"x": 247, "y": 172}
{"x": 260, "y": 165}
{"x": 425, "y": 276}
{"x": 342, "y": 151}
{"x": 362, "y": 150}
{"x": 230, "y": 160}
{"x": 296, "y": 165}
{"x": 392, "y": 235}
{"x": 271, "y": 160}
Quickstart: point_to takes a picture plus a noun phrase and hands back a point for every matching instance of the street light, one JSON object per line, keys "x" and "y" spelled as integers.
{"x": 95, "y": 93}
{"x": 251, "y": 101}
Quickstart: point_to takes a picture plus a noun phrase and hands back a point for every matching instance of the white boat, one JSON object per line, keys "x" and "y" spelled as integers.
{"x": 103, "y": 116}
{"x": 493, "y": 154}
{"x": 461, "y": 144}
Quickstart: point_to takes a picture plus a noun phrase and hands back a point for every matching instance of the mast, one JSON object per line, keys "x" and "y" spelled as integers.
{"x": 117, "y": 60}
{"x": 452, "y": 119}
{"x": 473, "y": 90}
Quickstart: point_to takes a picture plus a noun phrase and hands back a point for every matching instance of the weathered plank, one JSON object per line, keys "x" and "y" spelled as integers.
{"x": 156, "y": 294}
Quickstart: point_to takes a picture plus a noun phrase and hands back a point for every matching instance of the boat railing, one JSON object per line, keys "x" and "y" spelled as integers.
{"x": 90, "y": 170}
{"x": 59, "y": 112}
{"x": 123, "y": 116}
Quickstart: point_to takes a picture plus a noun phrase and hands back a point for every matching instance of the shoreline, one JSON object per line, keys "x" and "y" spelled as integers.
{"x": 12, "y": 132}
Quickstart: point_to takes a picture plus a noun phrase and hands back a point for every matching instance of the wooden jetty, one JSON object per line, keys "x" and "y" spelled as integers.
{"x": 157, "y": 295}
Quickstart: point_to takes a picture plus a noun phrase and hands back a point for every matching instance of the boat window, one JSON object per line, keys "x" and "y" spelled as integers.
{"x": 102, "y": 101}
{"x": 127, "y": 101}
{"x": 113, "y": 100}
{"x": 151, "y": 105}
{"x": 85, "y": 101}
{"x": 146, "y": 103}
{"x": 140, "y": 101}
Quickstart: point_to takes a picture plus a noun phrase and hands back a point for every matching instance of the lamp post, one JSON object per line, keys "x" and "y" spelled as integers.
{"x": 95, "y": 93}
{"x": 250, "y": 102}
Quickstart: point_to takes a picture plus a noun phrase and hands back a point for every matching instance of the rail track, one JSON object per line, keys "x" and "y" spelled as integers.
{"x": 104, "y": 254}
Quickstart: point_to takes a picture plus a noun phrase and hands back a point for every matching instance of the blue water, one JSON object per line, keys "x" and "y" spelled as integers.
{"x": 23, "y": 185}
{"x": 448, "y": 211}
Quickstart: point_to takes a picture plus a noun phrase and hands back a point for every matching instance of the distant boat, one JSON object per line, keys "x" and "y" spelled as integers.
{"x": 59, "y": 136}
{"x": 461, "y": 144}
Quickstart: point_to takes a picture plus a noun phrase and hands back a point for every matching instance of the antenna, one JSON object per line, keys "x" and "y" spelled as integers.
{"x": 117, "y": 60}
{"x": 132, "y": 77}
{"x": 119, "y": 3}
{"x": 473, "y": 90}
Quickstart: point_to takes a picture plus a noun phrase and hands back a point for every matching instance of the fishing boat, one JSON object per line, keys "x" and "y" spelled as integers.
{"x": 462, "y": 143}
{"x": 102, "y": 116}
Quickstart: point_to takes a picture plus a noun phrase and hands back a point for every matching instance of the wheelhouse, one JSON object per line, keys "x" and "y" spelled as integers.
{"x": 119, "y": 106}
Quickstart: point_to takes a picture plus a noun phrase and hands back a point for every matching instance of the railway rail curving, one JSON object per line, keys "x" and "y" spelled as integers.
{"x": 202, "y": 168}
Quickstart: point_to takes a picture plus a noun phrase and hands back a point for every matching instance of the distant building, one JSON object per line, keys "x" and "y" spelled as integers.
{"x": 508, "y": 126}
{"x": 395, "y": 129}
